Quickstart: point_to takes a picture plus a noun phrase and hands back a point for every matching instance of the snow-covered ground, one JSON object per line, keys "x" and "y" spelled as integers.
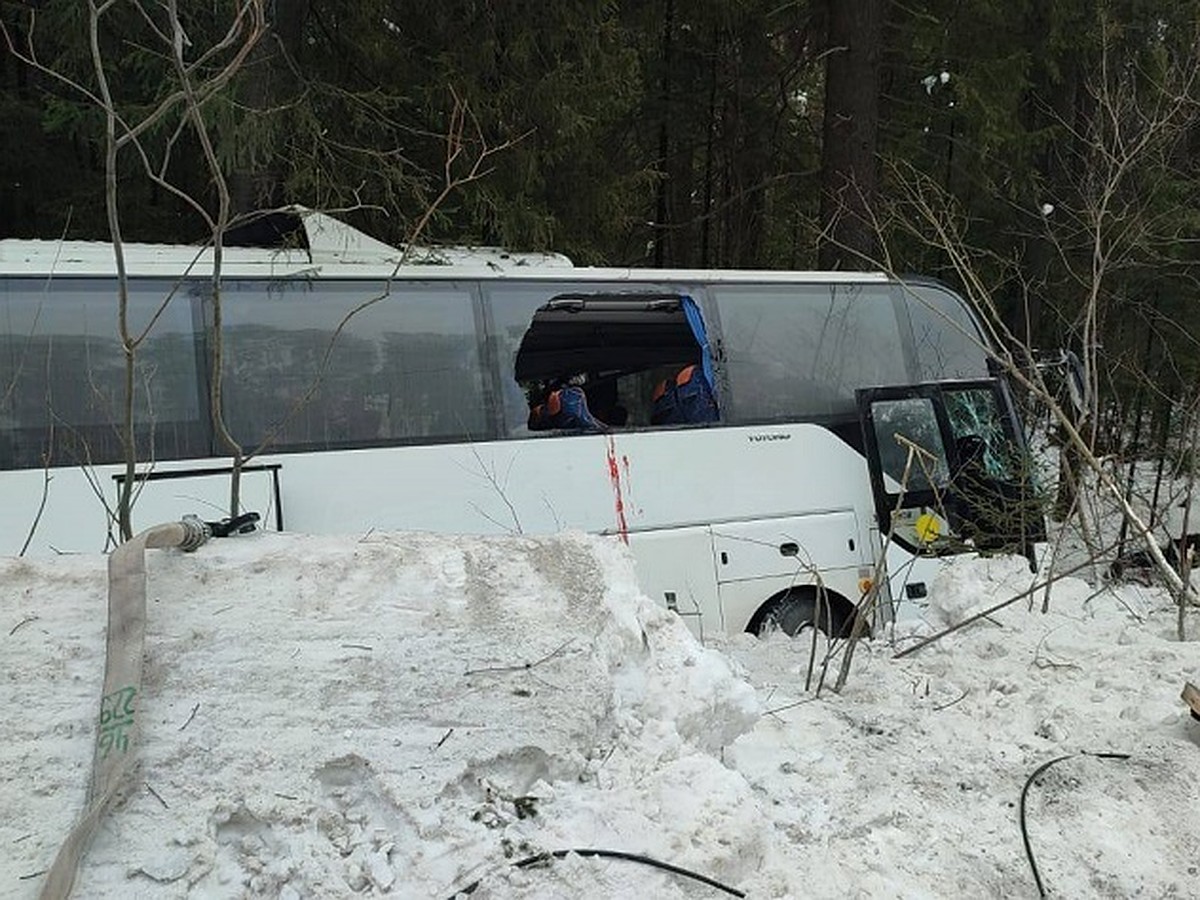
{"x": 412, "y": 715}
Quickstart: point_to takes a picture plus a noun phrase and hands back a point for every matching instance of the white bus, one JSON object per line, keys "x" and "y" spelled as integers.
{"x": 495, "y": 393}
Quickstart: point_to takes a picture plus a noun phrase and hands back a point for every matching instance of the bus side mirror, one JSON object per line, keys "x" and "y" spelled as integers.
{"x": 1077, "y": 382}
{"x": 1073, "y": 374}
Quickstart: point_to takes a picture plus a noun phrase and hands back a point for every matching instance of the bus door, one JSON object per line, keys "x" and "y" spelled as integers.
{"x": 949, "y": 473}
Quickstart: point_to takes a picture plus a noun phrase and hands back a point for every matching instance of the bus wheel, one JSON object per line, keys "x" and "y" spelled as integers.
{"x": 797, "y": 611}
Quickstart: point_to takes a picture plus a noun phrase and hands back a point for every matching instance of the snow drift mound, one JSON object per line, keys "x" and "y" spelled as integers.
{"x": 398, "y": 714}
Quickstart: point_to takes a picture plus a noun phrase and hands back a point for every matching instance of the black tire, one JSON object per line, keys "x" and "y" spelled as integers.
{"x": 797, "y": 611}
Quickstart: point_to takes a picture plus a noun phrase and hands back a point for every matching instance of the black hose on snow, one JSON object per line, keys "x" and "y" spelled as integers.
{"x": 1037, "y": 878}
{"x": 541, "y": 858}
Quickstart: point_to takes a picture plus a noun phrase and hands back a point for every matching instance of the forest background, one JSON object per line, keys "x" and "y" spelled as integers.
{"x": 1042, "y": 156}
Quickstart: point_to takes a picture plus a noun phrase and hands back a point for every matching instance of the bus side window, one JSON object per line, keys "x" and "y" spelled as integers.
{"x": 947, "y": 342}
{"x": 62, "y": 364}
{"x": 800, "y": 351}
{"x": 405, "y": 369}
{"x": 589, "y": 361}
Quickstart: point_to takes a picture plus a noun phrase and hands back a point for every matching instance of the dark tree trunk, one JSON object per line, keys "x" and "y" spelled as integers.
{"x": 849, "y": 168}
{"x": 755, "y": 133}
{"x": 662, "y": 212}
{"x": 272, "y": 83}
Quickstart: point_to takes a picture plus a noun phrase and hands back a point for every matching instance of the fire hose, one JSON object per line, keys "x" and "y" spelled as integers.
{"x": 116, "y": 735}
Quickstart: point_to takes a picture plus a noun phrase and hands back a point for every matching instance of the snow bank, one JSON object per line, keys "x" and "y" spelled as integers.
{"x": 400, "y": 714}
{"x": 908, "y": 783}
{"x": 407, "y": 715}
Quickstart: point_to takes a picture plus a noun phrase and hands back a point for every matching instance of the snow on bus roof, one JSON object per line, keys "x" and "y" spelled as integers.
{"x": 338, "y": 249}
{"x": 331, "y": 243}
